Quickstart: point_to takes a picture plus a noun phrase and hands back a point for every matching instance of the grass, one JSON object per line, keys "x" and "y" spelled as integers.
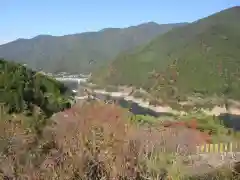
{"x": 211, "y": 125}
{"x": 144, "y": 119}
{"x": 111, "y": 89}
{"x": 86, "y": 145}
{"x": 202, "y": 122}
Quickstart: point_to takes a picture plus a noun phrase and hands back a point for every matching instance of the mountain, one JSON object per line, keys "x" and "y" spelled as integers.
{"x": 202, "y": 57}
{"x": 72, "y": 53}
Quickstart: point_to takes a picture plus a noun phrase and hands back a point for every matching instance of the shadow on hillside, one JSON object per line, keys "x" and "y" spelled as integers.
{"x": 231, "y": 121}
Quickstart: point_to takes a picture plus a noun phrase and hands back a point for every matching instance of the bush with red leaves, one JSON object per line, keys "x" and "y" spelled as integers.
{"x": 190, "y": 125}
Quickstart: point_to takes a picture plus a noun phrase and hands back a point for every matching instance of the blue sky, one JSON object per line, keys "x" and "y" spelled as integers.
{"x": 28, "y": 18}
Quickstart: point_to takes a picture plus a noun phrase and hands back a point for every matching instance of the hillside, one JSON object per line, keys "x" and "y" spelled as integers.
{"x": 22, "y": 89}
{"x": 73, "y": 143}
{"x": 72, "y": 53}
{"x": 203, "y": 56}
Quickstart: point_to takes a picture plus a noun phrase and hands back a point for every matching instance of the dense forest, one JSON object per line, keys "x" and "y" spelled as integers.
{"x": 73, "y": 52}
{"x": 199, "y": 58}
{"x": 22, "y": 89}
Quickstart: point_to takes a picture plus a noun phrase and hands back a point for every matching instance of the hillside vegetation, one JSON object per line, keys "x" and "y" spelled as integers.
{"x": 72, "y": 53}
{"x": 76, "y": 143}
{"x": 201, "y": 57}
{"x": 94, "y": 146}
{"x": 22, "y": 89}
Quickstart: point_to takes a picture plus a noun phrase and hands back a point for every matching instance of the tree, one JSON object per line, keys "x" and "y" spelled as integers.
{"x": 227, "y": 88}
{"x": 22, "y": 88}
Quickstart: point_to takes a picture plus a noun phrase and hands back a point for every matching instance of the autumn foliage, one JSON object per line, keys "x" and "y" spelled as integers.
{"x": 193, "y": 125}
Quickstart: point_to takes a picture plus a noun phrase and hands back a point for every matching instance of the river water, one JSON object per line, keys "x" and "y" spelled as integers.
{"x": 229, "y": 120}
{"x": 232, "y": 121}
{"x": 71, "y": 84}
{"x": 133, "y": 107}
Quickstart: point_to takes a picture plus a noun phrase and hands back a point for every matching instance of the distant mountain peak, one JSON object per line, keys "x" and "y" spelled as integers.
{"x": 150, "y": 23}
{"x": 72, "y": 52}
{"x": 109, "y": 29}
{"x": 19, "y": 39}
{"x": 236, "y": 7}
{"x": 42, "y": 36}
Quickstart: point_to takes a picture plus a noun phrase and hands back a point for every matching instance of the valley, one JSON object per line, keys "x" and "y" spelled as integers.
{"x": 142, "y": 106}
{"x": 147, "y": 101}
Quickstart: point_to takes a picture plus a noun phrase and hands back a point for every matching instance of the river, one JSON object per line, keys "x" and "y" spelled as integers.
{"x": 71, "y": 84}
{"x": 230, "y": 120}
{"x": 133, "y": 107}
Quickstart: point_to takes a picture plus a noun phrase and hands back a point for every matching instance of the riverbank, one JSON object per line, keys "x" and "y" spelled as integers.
{"x": 139, "y": 101}
{"x": 216, "y": 110}
{"x": 142, "y": 99}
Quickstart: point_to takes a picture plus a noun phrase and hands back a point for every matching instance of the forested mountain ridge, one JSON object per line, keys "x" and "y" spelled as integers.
{"x": 72, "y": 53}
{"x": 203, "y": 56}
{"x": 21, "y": 89}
